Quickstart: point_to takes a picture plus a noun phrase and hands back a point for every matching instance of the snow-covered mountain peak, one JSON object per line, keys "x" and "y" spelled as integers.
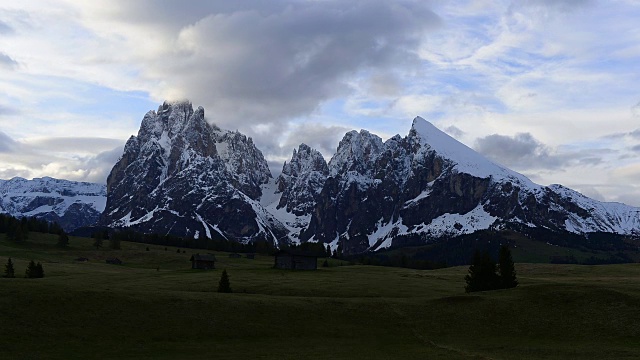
{"x": 303, "y": 160}
{"x": 182, "y": 170}
{"x": 465, "y": 159}
{"x": 357, "y": 152}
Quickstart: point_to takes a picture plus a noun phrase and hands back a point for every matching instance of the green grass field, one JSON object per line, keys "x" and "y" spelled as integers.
{"x": 135, "y": 311}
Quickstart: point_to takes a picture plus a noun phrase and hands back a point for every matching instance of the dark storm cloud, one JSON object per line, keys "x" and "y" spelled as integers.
{"x": 520, "y": 151}
{"x": 261, "y": 62}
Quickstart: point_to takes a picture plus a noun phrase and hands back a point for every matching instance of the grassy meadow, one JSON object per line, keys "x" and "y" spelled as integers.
{"x": 155, "y": 307}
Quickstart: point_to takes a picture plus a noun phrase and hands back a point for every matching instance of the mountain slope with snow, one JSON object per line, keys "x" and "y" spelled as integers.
{"x": 431, "y": 186}
{"x": 71, "y": 204}
{"x": 182, "y": 176}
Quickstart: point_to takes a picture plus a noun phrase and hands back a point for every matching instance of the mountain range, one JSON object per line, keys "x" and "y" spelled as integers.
{"x": 71, "y": 204}
{"x": 181, "y": 175}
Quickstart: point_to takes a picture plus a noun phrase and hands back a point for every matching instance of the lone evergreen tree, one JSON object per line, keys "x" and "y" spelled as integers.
{"x": 9, "y": 271}
{"x": 63, "y": 240}
{"x": 507, "y": 269}
{"x": 97, "y": 242}
{"x": 224, "y": 286}
{"x": 482, "y": 273}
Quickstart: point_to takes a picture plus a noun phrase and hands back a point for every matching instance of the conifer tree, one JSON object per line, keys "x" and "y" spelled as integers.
{"x": 97, "y": 242}
{"x": 9, "y": 271}
{"x": 31, "y": 270}
{"x": 482, "y": 273}
{"x": 39, "y": 271}
{"x": 224, "y": 286}
{"x": 507, "y": 269}
{"x": 63, "y": 240}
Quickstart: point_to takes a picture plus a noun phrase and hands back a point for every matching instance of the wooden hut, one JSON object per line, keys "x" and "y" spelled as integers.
{"x": 113, "y": 261}
{"x": 204, "y": 262}
{"x": 293, "y": 259}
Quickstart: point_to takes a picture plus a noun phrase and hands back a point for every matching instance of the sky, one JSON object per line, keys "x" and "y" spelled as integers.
{"x": 549, "y": 88}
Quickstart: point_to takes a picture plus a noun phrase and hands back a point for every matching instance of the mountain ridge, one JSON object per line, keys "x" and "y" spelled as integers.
{"x": 183, "y": 176}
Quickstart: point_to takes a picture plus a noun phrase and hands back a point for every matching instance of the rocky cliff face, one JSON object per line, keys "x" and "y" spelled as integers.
{"x": 71, "y": 204}
{"x": 428, "y": 183}
{"x": 184, "y": 177}
{"x": 301, "y": 180}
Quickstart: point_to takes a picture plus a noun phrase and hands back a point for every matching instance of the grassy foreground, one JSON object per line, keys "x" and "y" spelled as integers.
{"x": 135, "y": 311}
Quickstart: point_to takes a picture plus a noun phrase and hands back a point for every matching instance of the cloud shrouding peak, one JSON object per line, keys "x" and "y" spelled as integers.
{"x": 258, "y": 63}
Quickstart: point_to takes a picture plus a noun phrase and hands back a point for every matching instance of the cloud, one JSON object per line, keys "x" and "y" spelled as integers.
{"x": 6, "y": 110}
{"x": 80, "y": 159}
{"x": 323, "y": 138}
{"x": 521, "y": 151}
{"x": 635, "y": 110}
{"x": 6, "y": 61}
{"x": 7, "y": 144}
{"x": 257, "y": 63}
{"x": 554, "y": 5}
{"x": 454, "y": 131}
{"x": 5, "y": 29}
{"x": 77, "y": 145}
{"x": 320, "y": 137}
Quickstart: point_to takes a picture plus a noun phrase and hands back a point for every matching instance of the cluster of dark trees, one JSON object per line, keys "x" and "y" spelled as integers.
{"x": 17, "y": 229}
{"x": 115, "y": 236}
{"x": 33, "y": 270}
{"x": 484, "y": 274}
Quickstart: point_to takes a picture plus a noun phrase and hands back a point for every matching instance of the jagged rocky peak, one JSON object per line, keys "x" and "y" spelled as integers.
{"x": 184, "y": 176}
{"x": 356, "y": 152}
{"x": 303, "y": 160}
{"x": 243, "y": 159}
{"x": 301, "y": 180}
{"x": 176, "y": 124}
{"x": 425, "y": 137}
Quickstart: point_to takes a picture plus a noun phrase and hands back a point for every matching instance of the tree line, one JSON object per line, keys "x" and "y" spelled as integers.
{"x": 115, "y": 236}
{"x": 18, "y": 229}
